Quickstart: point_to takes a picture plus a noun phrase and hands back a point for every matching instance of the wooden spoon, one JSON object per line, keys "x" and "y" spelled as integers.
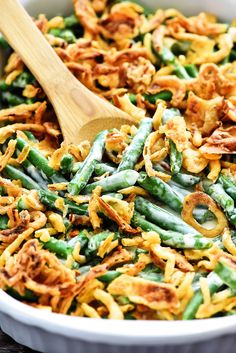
{"x": 81, "y": 113}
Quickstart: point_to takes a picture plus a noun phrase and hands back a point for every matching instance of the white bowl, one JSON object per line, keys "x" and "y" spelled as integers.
{"x": 53, "y": 333}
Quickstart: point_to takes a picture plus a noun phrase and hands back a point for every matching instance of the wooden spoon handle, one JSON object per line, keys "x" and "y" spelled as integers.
{"x": 73, "y": 102}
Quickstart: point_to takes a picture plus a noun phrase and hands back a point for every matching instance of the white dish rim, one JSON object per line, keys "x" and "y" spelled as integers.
{"x": 113, "y": 331}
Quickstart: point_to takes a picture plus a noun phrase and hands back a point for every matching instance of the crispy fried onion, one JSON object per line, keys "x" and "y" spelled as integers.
{"x": 40, "y": 271}
{"x": 203, "y": 24}
{"x": 122, "y": 23}
{"x": 203, "y": 114}
{"x": 22, "y": 222}
{"x": 125, "y": 104}
{"x": 155, "y": 150}
{"x": 9, "y": 130}
{"x": 114, "y": 209}
{"x": 228, "y": 242}
{"x": 210, "y": 82}
{"x": 193, "y": 160}
{"x": 86, "y": 14}
{"x": 115, "y": 145}
{"x": 200, "y": 198}
{"x": 94, "y": 208}
{"x": 170, "y": 83}
{"x": 175, "y": 129}
{"x": 119, "y": 256}
{"x": 4, "y": 159}
{"x": 115, "y": 312}
{"x": 56, "y": 157}
{"x": 154, "y": 295}
{"x": 221, "y": 141}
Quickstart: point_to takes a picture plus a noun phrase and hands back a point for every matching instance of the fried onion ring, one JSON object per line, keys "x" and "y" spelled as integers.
{"x": 196, "y": 198}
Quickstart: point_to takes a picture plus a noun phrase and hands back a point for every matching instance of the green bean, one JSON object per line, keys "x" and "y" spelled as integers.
{"x": 31, "y": 136}
{"x": 171, "y": 238}
{"x": 181, "y": 72}
{"x": 95, "y": 241}
{"x": 40, "y": 162}
{"x": 76, "y": 167}
{"x": 214, "y": 284}
{"x": 71, "y": 21}
{"x": 114, "y": 182}
{"x": 27, "y": 296}
{"x": 83, "y": 175}
{"x": 186, "y": 180}
{"x": 102, "y": 168}
{"x": 34, "y": 173}
{"x": 65, "y": 34}
{"x": 232, "y": 56}
{"x": 114, "y": 195}
{"x": 67, "y": 163}
{"x": 169, "y": 114}
{"x": 23, "y": 79}
{"x": 161, "y": 217}
{"x": 135, "y": 148}
{"x": 226, "y": 272}
{"x": 16, "y": 174}
{"x": 82, "y": 238}
{"x": 218, "y": 194}
{"x": 228, "y": 185}
{"x": 3, "y": 43}
{"x": 48, "y": 198}
{"x": 152, "y": 276}
{"x": 191, "y": 70}
{"x": 4, "y": 222}
{"x": 58, "y": 247}
{"x": 12, "y": 99}
{"x": 180, "y": 47}
{"x": 203, "y": 215}
{"x": 3, "y": 86}
{"x": 158, "y": 188}
{"x": 109, "y": 276}
{"x": 152, "y": 98}
{"x": 176, "y": 158}
{"x": 167, "y": 57}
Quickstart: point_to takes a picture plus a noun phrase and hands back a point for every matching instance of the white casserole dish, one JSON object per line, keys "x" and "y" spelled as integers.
{"x": 53, "y": 333}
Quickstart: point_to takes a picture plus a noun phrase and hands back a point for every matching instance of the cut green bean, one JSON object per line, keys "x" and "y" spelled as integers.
{"x": 176, "y": 158}
{"x": 169, "y": 114}
{"x": 95, "y": 241}
{"x": 49, "y": 199}
{"x": 180, "y": 47}
{"x": 39, "y": 161}
{"x": 216, "y": 191}
{"x": 228, "y": 185}
{"x": 214, "y": 284}
{"x": 161, "y": 217}
{"x": 114, "y": 182}
{"x": 4, "y": 222}
{"x": 109, "y": 276}
{"x": 227, "y": 272}
{"x": 58, "y": 247}
{"x": 83, "y": 175}
{"x": 171, "y": 238}
{"x": 67, "y": 163}
{"x": 102, "y": 168}
{"x": 16, "y": 174}
{"x": 135, "y": 148}
{"x": 161, "y": 190}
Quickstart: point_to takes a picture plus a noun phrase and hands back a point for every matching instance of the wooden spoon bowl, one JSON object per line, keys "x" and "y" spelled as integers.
{"x": 81, "y": 113}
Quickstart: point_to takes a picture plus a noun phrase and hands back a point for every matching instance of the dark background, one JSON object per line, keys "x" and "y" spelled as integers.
{"x": 223, "y": 344}
{"x": 7, "y": 345}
